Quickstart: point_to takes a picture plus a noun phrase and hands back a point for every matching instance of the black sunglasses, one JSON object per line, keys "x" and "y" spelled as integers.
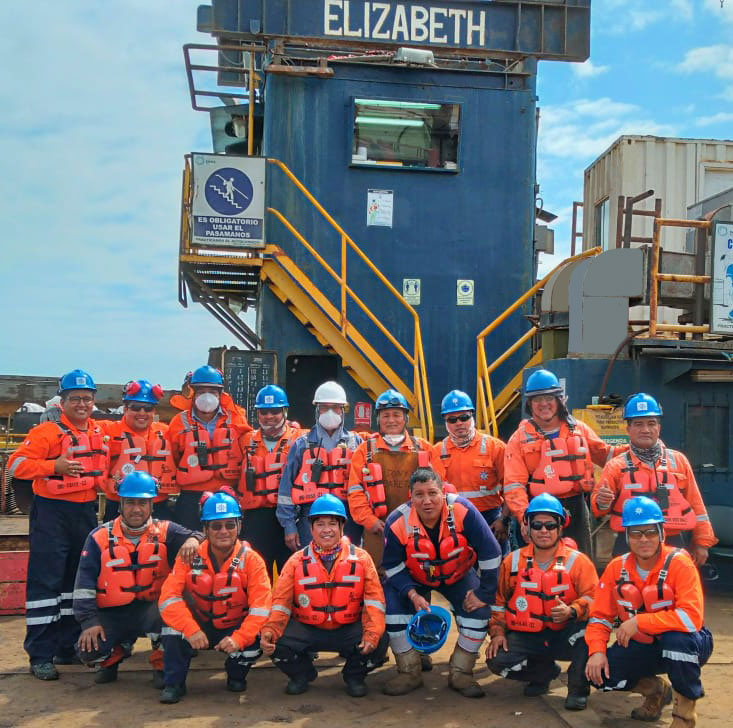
{"x": 548, "y": 525}
{"x": 458, "y": 418}
{"x": 138, "y": 407}
{"x": 217, "y": 526}
{"x": 270, "y": 411}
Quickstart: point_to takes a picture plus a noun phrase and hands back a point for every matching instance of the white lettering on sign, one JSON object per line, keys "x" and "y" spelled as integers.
{"x": 402, "y": 23}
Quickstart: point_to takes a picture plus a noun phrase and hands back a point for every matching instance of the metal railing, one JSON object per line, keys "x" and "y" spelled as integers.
{"x": 485, "y": 403}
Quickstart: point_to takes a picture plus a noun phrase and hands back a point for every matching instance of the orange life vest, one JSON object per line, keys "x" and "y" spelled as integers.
{"x": 565, "y": 466}
{"x": 325, "y": 600}
{"x": 475, "y": 491}
{"x": 630, "y": 600}
{"x": 220, "y": 598}
{"x": 322, "y": 472}
{"x": 260, "y": 479}
{"x": 662, "y": 486}
{"x": 151, "y": 454}
{"x": 453, "y": 559}
{"x": 204, "y": 456}
{"x": 529, "y": 608}
{"x": 92, "y": 451}
{"x": 123, "y": 579}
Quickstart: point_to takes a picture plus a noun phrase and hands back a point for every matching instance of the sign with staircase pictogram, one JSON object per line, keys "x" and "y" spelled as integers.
{"x": 228, "y": 206}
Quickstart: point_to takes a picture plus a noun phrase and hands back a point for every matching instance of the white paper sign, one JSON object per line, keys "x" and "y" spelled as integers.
{"x": 379, "y": 207}
{"x": 464, "y": 292}
{"x": 721, "y": 316}
{"x": 411, "y": 290}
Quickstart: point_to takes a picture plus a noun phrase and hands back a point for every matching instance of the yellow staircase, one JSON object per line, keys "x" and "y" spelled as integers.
{"x": 215, "y": 280}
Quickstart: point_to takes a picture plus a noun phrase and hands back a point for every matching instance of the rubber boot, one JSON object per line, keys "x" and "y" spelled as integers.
{"x": 657, "y": 693}
{"x": 683, "y": 712}
{"x": 426, "y": 662}
{"x": 461, "y": 673}
{"x": 409, "y": 677}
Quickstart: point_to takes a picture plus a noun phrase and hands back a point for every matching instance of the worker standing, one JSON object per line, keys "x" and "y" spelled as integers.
{"x": 473, "y": 462}
{"x": 541, "y": 609}
{"x": 381, "y": 469}
{"x": 122, "y": 568}
{"x": 219, "y": 601}
{"x": 318, "y": 464}
{"x": 433, "y": 542}
{"x": 265, "y": 453}
{"x": 328, "y": 597}
{"x": 655, "y": 591}
{"x": 136, "y": 442}
{"x": 204, "y": 440}
{"x": 551, "y": 452}
{"x": 67, "y": 461}
{"x": 650, "y": 468}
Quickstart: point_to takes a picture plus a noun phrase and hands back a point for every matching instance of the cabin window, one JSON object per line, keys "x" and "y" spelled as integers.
{"x": 602, "y": 224}
{"x": 707, "y": 436}
{"x": 406, "y": 134}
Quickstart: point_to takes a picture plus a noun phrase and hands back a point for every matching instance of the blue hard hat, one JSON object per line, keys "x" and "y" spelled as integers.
{"x": 641, "y": 405}
{"x": 542, "y": 382}
{"x": 641, "y": 511}
{"x": 207, "y": 375}
{"x": 138, "y": 484}
{"x": 456, "y": 401}
{"x": 271, "y": 396}
{"x": 545, "y": 503}
{"x": 141, "y": 390}
{"x": 391, "y": 399}
{"x": 76, "y": 379}
{"x": 218, "y": 506}
{"x": 427, "y": 631}
{"x": 327, "y": 505}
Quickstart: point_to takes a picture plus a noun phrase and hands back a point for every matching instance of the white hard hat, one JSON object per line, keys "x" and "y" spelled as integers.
{"x": 330, "y": 392}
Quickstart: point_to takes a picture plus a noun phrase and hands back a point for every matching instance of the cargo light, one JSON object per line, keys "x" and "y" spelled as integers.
{"x": 388, "y": 121}
{"x": 397, "y": 104}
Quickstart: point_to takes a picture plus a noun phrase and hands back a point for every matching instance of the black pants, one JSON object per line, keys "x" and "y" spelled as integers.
{"x": 58, "y": 530}
{"x": 122, "y": 626}
{"x": 187, "y": 509}
{"x": 266, "y": 536}
{"x": 292, "y": 653}
{"x": 531, "y": 656}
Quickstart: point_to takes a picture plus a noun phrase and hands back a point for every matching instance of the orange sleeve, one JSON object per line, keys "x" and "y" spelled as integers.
{"x": 497, "y": 457}
{"x": 438, "y": 463}
{"x": 35, "y": 457}
{"x": 516, "y": 477}
{"x": 687, "y": 614}
{"x": 497, "y": 624}
{"x": 600, "y": 451}
{"x": 173, "y": 436}
{"x": 282, "y": 598}
{"x": 259, "y": 598}
{"x": 603, "y": 612}
{"x": 359, "y": 508}
{"x": 373, "y": 613}
{"x": 702, "y": 534}
{"x": 585, "y": 579}
{"x": 173, "y": 608}
{"x": 610, "y": 476}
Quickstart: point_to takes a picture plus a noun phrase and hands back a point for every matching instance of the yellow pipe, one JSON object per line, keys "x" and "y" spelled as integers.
{"x": 683, "y": 278}
{"x": 343, "y": 286}
{"x": 513, "y": 348}
{"x": 251, "y": 114}
{"x": 684, "y": 328}
{"x": 678, "y": 222}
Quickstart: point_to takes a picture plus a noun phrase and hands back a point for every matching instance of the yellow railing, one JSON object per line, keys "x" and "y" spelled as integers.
{"x": 486, "y": 409}
{"x": 416, "y": 359}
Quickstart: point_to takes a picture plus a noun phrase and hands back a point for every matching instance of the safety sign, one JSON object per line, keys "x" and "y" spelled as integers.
{"x": 228, "y": 207}
{"x": 363, "y": 414}
{"x": 464, "y": 292}
{"x": 411, "y": 290}
{"x": 380, "y": 204}
{"x": 721, "y": 316}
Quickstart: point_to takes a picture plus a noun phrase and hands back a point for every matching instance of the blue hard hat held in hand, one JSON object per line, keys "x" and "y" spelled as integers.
{"x": 428, "y": 631}
{"x": 271, "y": 396}
{"x": 641, "y": 511}
{"x": 76, "y": 379}
{"x": 327, "y": 505}
{"x": 641, "y": 405}
{"x": 138, "y": 484}
{"x": 456, "y": 401}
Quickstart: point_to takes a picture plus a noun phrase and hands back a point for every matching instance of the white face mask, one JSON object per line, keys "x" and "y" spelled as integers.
{"x": 393, "y": 440}
{"x": 329, "y": 420}
{"x": 207, "y": 402}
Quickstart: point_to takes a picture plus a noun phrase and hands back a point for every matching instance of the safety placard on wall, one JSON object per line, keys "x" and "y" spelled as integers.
{"x": 411, "y": 290}
{"x": 363, "y": 414}
{"x": 228, "y": 206}
{"x": 464, "y": 292}
{"x": 721, "y": 316}
{"x": 380, "y": 204}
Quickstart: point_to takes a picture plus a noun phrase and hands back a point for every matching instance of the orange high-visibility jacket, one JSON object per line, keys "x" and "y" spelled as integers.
{"x": 177, "y": 615}
{"x": 372, "y": 616}
{"x": 522, "y": 457}
{"x": 582, "y": 575}
{"x": 685, "y": 615}
{"x": 359, "y": 507}
{"x": 477, "y": 470}
{"x": 34, "y": 459}
{"x": 613, "y": 476}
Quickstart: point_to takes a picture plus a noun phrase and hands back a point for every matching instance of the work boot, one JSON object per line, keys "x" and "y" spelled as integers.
{"x": 461, "y": 673}
{"x": 535, "y": 689}
{"x": 106, "y": 674}
{"x": 683, "y": 712}
{"x": 299, "y": 683}
{"x": 409, "y": 676}
{"x": 44, "y": 671}
{"x": 172, "y": 693}
{"x": 426, "y": 662}
{"x": 575, "y": 701}
{"x": 657, "y": 693}
{"x": 356, "y": 687}
{"x": 236, "y": 686}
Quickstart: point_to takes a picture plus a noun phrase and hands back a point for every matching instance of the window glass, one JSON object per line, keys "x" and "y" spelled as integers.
{"x": 410, "y": 134}
{"x": 602, "y": 224}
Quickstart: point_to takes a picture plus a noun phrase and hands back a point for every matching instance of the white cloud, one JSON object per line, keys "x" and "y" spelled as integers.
{"x": 715, "y": 59}
{"x": 722, "y": 12}
{"x": 588, "y": 69}
{"x": 720, "y": 118}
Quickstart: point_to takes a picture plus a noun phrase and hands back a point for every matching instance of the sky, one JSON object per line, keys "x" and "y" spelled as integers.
{"x": 96, "y": 119}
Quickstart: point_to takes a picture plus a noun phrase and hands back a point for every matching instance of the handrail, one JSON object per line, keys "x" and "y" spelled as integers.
{"x": 417, "y": 359}
{"x": 486, "y": 411}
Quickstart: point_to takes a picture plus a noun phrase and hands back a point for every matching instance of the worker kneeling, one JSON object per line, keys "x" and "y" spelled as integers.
{"x": 542, "y": 604}
{"x": 433, "y": 542}
{"x": 218, "y": 602}
{"x": 121, "y": 571}
{"x": 655, "y": 591}
{"x": 328, "y": 597}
